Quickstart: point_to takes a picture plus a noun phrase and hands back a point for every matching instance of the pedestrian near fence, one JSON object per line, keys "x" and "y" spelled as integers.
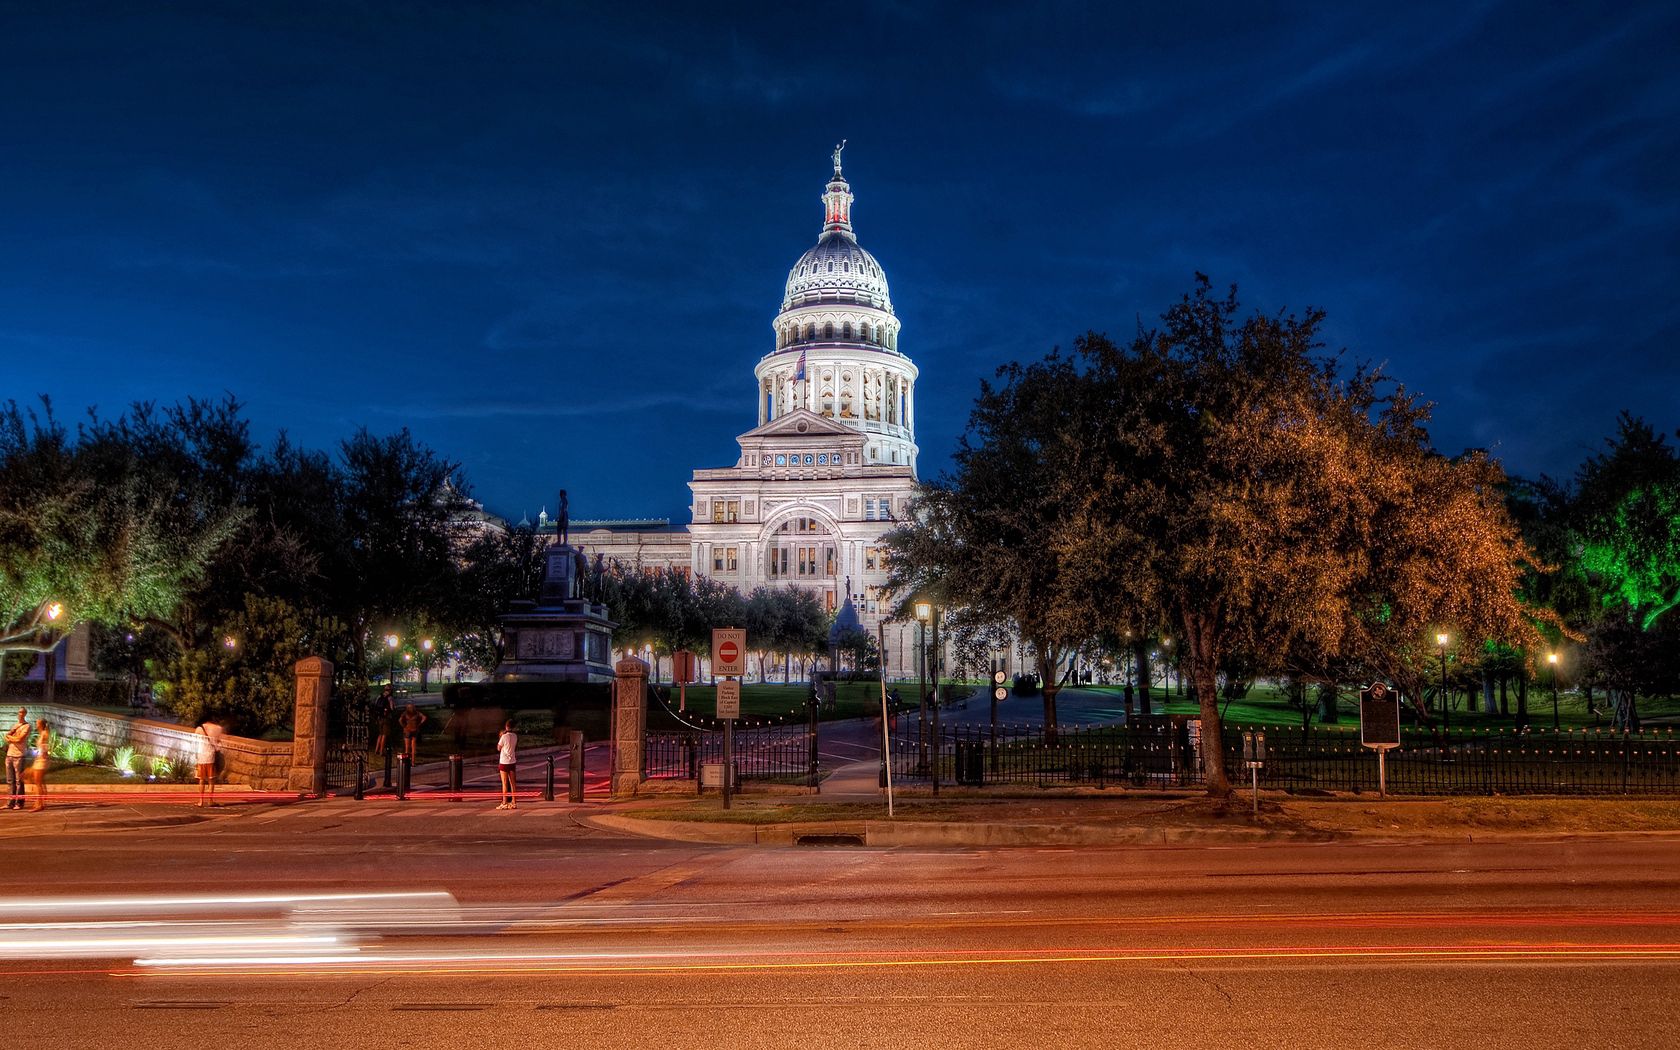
{"x": 17, "y": 742}
{"x": 206, "y": 762}
{"x": 507, "y": 764}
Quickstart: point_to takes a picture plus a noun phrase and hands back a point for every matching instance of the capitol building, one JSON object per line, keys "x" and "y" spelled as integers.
{"x": 831, "y": 464}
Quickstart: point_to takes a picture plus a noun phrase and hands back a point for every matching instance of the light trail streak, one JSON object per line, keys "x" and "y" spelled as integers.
{"x": 420, "y": 964}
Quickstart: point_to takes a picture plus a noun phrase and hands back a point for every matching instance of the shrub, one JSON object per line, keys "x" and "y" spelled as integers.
{"x": 122, "y": 760}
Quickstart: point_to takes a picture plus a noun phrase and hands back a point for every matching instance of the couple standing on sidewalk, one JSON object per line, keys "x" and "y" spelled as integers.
{"x": 17, "y": 743}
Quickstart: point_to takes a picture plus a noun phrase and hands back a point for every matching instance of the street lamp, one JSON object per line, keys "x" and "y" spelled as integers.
{"x": 1552, "y": 661}
{"x": 425, "y": 661}
{"x": 927, "y": 612}
{"x": 391, "y": 642}
{"x": 49, "y": 689}
{"x": 1441, "y": 639}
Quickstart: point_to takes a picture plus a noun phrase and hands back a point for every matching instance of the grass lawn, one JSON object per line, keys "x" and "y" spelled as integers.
{"x": 787, "y": 702}
{"x": 1269, "y": 706}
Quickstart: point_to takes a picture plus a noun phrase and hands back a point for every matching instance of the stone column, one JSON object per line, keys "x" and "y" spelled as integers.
{"x": 629, "y": 726}
{"x": 308, "y": 772}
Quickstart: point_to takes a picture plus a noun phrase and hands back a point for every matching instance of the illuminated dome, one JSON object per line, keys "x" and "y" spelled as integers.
{"x": 837, "y": 271}
{"x": 837, "y": 341}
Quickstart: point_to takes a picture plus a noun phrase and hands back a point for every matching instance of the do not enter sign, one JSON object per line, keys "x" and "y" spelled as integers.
{"x": 729, "y": 651}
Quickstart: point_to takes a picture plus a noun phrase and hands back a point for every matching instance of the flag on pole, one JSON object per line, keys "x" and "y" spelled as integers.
{"x": 799, "y": 369}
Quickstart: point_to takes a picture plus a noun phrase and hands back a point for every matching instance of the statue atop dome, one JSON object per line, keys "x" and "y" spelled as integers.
{"x": 837, "y": 150}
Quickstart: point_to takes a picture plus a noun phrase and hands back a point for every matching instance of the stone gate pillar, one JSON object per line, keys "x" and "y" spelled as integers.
{"x": 308, "y": 772}
{"x": 629, "y": 726}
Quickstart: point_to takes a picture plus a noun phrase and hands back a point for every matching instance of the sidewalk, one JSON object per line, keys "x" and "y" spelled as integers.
{"x": 1132, "y": 819}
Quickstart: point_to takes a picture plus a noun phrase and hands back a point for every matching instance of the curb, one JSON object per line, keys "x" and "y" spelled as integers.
{"x": 938, "y": 833}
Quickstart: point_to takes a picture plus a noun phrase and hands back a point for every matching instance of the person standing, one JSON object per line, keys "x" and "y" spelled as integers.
{"x": 507, "y": 764}
{"x": 384, "y": 716}
{"x": 411, "y": 720}
{"x": 206, "y": 761}
{"x": 17, "y": 739}
{"x": 38, "y": 771}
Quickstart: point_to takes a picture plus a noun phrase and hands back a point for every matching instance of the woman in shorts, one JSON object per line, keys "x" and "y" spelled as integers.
{"x": 507, "y": 763}
{"x": 38, "y": 771}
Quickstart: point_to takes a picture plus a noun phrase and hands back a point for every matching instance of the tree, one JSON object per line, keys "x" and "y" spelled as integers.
{"x": 983, "y": 538}
{"x": 1628, "y": 515}
{"x": 246, "y": 681}
{"x": 92, "y": 530}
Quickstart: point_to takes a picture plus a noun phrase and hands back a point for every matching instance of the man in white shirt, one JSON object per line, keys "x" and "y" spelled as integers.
{"x": 16, "y": 739}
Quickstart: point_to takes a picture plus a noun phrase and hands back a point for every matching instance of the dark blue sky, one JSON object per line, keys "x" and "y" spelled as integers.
{"x": 550, "y": 238}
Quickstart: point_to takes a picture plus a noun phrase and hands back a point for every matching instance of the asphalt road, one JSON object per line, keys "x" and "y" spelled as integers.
{"x": 559, "y": 935}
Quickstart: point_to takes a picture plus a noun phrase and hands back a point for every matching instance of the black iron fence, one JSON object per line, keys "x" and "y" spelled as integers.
{"x": 1459, "y": 762}
{"x": 776, "y": 753}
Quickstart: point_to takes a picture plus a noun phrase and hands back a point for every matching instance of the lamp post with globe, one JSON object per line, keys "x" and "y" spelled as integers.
{"x": 1441, "y": 640}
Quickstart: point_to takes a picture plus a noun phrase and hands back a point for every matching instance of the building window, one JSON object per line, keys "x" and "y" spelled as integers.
{"x": 828, "y": 330}
{"x": 822, "y": 459}
{"x": 869, "y": 510}
{"x": 717, "y": 559}
{"x": 781, "y": 460}
{"x": 731, "y": 561}
{"x": 807, "y": 459}
{"x": 846, "y": 331}
{"x": 874, "y": 559}
{"x": 717, "y": 511}
{"x": 828, "y": 562}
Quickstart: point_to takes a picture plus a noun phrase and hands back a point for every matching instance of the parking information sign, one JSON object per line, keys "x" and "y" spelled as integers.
{"x": 729, "y": 651}
{"x": 729, "y": 698}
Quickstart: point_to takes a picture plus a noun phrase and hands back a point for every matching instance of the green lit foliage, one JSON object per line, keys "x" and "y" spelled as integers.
{"x": 1637, "y": 552}
{"x": 122, "y": 760}
{"x": 72, "y": 750}
{"x": 1628, "y": 515}
{"x": 162, "y": 768}
{"x": 92, "y": 523}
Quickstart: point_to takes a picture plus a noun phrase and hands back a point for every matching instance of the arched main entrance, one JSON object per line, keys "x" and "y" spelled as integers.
{"x": 804, "y": 551}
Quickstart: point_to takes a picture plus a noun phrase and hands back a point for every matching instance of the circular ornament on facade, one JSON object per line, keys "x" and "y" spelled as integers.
{"x": 802, "y": 427}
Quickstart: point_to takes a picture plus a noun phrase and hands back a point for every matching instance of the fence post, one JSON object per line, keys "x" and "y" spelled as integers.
{"x": 629, "y": 726}
{"x": 308, "y": 771}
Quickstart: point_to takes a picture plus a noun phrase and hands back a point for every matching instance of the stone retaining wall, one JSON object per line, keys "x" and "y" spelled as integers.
{"x": 260, "y": 764}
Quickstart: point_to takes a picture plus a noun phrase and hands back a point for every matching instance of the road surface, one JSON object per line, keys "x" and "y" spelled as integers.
{"x": 529, "y": 929}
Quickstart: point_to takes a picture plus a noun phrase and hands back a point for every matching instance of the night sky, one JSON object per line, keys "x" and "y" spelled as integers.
{"x": 550, "y": 239}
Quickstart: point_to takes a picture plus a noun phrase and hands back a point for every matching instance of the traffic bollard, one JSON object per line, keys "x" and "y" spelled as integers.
{"x": 574, "y": 780}
{"x": 455, "y": 776}
{"x": 402, "y": 776}
{"x": 361, "y": 777}
{"x": 548, "y": 785}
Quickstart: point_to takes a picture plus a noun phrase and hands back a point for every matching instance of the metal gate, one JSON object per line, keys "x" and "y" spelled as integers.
{"x": 348, "y": 745}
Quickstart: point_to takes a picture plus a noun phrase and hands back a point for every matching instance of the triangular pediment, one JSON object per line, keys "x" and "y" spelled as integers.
{"x": 801, "y": 423}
